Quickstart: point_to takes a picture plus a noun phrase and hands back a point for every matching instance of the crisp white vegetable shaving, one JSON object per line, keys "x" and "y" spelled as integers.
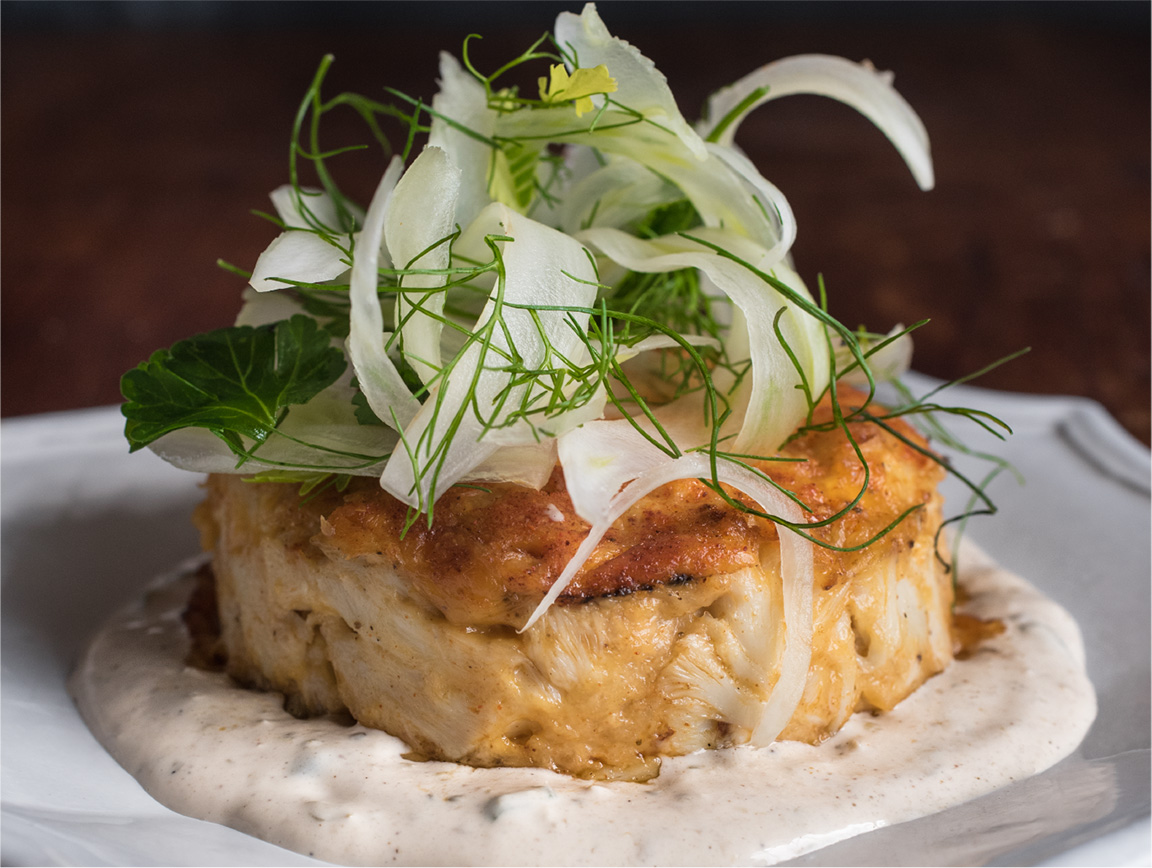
{"x": 298, "y": 252}
{"x": 617, "y": 194}
{"x": 529, "y": 464}
{"x": 856, "y": 84}
{"x": 775, "y": 405}
{"x": 381, "y": 383}
{"x": 616, "y": 454}
{"x": 599, "y": 459}
{"x": 717, "y": 192}
{"x": 446, "y": 439}
{"x": 306, "y": 208}
{"x": 772, "y": 200}
{"x": 886, "y": 363}
{"x": 664, "y": 342}
{"x": 263, "y": 308}
{"x": 300, "y": 255}
{"x": 640, "y": 85}
{"x": 461, "y": 97}
{"x": 420, "y": 215}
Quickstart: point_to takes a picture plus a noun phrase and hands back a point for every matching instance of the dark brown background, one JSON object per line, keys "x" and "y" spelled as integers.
{"x": 136, "y": 137}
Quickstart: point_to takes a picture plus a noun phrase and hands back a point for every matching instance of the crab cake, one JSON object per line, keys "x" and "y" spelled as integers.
{"x": 341, "y": 605}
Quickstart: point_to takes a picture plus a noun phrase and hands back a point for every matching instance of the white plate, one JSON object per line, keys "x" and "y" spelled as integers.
{"x": 85, "y": 526}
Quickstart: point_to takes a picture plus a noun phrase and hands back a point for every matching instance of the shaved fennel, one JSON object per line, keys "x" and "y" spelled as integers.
{"x": 503, "y": 360}
{"x": 615, "y": 453}
{"x": 577, "y": 275}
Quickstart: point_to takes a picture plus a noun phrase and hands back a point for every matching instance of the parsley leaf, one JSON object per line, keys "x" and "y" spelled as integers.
{"x": 365, "y": 415}
{"x": 328, "y": 306}
{"x": 236, "y": 382}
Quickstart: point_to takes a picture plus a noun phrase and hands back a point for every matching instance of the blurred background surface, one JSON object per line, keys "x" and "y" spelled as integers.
{"x": 137, "y": 137}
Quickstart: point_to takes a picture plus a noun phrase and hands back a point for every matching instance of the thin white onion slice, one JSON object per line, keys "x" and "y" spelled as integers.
{"x": 796, "y": 570}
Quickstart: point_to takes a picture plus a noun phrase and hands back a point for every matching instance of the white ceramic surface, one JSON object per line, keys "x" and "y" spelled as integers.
{"x": 85, "y": 525}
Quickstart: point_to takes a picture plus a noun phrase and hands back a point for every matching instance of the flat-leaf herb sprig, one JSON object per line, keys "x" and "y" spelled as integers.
{"x": 236, "y": 382}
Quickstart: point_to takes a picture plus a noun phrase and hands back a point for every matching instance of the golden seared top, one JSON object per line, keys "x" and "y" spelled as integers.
{"x": 497, "y": 548}
{"x": 488, "y": 547}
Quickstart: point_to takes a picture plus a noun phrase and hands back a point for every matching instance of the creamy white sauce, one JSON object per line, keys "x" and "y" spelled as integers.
{"x": 207, "y": 748}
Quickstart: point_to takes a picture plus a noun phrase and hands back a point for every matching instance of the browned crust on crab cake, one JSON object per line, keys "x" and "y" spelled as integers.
{"x": 328, "y": 601}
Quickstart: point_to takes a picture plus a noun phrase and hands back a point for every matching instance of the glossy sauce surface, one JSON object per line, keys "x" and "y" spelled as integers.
{"x": 207, "y": 748}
